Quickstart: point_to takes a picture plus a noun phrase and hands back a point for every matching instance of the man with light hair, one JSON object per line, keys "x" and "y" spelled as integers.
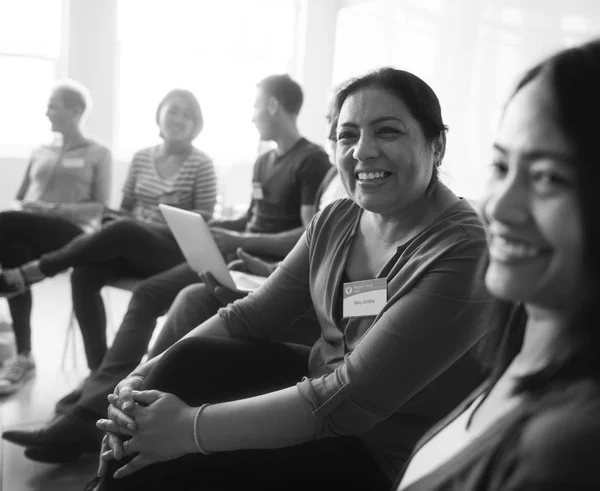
{"x": 65, "y": 187}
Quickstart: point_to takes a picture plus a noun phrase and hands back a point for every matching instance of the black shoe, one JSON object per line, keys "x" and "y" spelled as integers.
{"x": 68, "y": 436}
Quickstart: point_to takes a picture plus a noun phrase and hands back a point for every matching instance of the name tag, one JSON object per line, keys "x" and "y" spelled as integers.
{"x": 73, "y": 163}
{"x": 257, "y": 191}
{"x": 364, "y": 298}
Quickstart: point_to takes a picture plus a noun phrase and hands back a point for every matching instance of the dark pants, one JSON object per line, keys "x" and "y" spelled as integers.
{"x": 212, "y": 370}
{"x": 24, "y": 237}
{"x": 121, "y": 248}
{"x": 151, "y": 299}
{"x": 191, "y": 303}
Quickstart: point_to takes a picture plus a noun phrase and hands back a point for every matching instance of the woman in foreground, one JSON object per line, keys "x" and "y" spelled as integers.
{"x": 534, "y": 424}
{"x": 390, "y": 274}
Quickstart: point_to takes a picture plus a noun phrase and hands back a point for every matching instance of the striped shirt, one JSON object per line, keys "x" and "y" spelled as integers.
{"x": 193, "y": 187}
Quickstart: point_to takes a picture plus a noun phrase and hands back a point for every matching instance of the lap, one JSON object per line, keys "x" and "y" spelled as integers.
{"x": 40, "y": 233}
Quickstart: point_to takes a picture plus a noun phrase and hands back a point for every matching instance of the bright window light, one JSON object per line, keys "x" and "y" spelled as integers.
{"x": 30, "y": 47}
{"x": 217, "y": 49}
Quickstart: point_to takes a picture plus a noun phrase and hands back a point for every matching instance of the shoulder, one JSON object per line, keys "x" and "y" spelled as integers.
{"x": 98, "y": 150}
{"x": 458, "y": 231}
{"x": 335, "y": 218}
{"x": 310, "y": 153}
{"x": 199, "y": 157}
{"x": 144, "y": 155}
{"x": 561, "y": 441}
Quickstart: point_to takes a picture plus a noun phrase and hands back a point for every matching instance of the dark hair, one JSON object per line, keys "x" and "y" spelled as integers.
{"x": 193, "y": 104}
{"x": 574, "y": 79}
{"x": 287, "y": 92}
{"x": 419, "y": 97}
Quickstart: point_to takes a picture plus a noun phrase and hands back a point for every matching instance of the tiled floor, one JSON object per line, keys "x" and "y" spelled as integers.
{"x": 35, "y": 402}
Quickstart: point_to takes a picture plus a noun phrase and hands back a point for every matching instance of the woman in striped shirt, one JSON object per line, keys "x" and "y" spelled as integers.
{"x": 136, "y": 240}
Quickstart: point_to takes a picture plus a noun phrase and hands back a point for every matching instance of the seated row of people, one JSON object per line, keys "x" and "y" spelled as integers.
{"x": 406, "y": 291}
{"x": 136, "y": 241}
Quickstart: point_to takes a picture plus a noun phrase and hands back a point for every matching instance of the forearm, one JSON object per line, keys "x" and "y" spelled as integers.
{"x": 277, "y": 419}
{"x": 81, "y": 211}
{"x": 279, "y": 244}
{"x": 215, "y": 326}
{"x": 236, "y": 224}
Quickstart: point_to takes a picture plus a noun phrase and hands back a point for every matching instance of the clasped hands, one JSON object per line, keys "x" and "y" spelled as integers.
{"x": 149, "y": 425}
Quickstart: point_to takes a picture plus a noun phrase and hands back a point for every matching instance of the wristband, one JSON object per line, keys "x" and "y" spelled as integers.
{"x": 196, "y": 437}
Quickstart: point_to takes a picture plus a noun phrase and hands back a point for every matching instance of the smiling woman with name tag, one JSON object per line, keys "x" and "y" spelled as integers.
{"x": 389, "y": 273}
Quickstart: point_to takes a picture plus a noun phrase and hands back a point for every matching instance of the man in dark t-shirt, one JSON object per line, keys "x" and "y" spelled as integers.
{"x": 285, "y": 179}
{"x": 285, "y": 184}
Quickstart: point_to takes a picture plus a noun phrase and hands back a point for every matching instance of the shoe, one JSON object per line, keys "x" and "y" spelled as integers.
{"x": 66, "y": 437}
{"x": 12, "y": 283}
{"x": 15, "y": 372}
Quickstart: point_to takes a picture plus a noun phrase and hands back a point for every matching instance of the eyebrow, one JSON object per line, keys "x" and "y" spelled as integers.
{"x": 376, "y": 121}
{"x": 539, "y": 154}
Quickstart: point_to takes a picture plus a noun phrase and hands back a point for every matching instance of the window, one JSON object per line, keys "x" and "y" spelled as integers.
{"x": 30, "y": 48}
{"x": 217, "y": 49}
{"x": 470, "y": 52}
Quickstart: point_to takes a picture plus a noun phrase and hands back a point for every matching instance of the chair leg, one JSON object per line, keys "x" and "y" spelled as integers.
{"x": 70, "y": 338}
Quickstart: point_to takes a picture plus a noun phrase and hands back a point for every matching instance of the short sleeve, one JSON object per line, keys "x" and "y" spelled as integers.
{"x": 311, "y": 172}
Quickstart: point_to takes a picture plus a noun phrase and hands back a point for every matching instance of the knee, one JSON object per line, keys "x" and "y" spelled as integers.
{"x": 120, "y": 228}
{"x": 189, "y": 296}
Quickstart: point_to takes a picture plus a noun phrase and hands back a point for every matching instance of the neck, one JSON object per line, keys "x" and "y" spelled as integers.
{"x": 175, "y": 148}
{"x": 396, "y": 227}
{"x": 543, "y": 328}
{"x": 72, "y": 137}
{"x": 287, "y": 138}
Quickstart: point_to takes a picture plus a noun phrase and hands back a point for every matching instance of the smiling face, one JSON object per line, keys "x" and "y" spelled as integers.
{"x": 61, "y": 117}
{"x": 535, "y": 230}
{"x": 383, "y": 157}
{"x": 176, "y": 120}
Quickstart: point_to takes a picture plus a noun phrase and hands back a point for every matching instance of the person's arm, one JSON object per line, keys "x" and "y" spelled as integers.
{"x": 100, "y": 195}
{"x": 26, "y": 182}
{"x": 558, "y": 448}
{"x": 128, "y": 200}
{"x": 237, "y": 224}
{"x": 423, "y": 332}
{"x": 205, "y": 190}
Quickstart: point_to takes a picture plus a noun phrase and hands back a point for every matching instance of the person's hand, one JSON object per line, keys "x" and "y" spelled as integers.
{"x": 121, "y": 403}
{"x": 256, "y": 265}
{"x": 227, "y": 240}
{"x": 222, "y": 293}
{"x": 37, "y": 206}
{"x": 164, "y": 431}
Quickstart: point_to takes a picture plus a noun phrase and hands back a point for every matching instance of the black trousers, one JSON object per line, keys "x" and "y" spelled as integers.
{"x": 121, "y": 248}
{"x": 24, "y": 237}
{"x": 203, "y": 370}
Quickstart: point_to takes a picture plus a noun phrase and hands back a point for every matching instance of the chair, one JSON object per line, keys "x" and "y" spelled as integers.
{"x": 125, "y": 284}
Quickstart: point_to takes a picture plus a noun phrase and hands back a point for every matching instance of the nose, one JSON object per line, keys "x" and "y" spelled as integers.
{"x": 507, "y": 201}
{"x": 365, "y": 148}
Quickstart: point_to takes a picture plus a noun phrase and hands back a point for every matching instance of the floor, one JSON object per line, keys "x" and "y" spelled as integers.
{"x": 34, "y": 404}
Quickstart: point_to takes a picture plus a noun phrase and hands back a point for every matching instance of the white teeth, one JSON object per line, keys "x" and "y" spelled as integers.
{"x": 503, "y": 249}
{"x": 367, "y": 176}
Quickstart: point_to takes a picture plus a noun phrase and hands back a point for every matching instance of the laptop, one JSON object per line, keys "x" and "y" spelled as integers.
{"x": 201, "y": 252}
